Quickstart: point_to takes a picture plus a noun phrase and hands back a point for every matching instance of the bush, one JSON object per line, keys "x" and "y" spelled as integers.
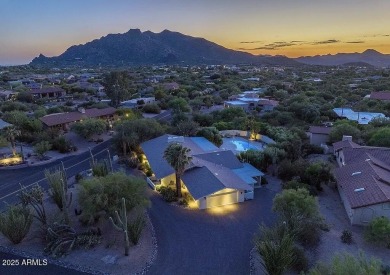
{"x": 346, "y": 263}
{"x": 78, "y": 177}
{"x": 103, "y": 195}
{"x": 301, "y": 263}
{"x": 264, "y": 181}
{"x": 275, "y": 246}
{"x": 378, "y": 231}
{"x": 151, "y": 108}
{"x": 295, "y": 184}
{"x": 168, "y": 194}
{"x": 346, "y": 237}
{"x": 62, "y": 145}
{"x": 16, "y": 223}
{"x": 134, "y": 229}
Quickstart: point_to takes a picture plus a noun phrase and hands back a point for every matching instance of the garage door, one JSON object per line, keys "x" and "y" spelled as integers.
{"x": 222, "y": 199}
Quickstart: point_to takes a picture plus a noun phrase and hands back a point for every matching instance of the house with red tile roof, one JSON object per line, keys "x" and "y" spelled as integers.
{"x": 63, "y": 120}
{"x": 363, "y": 180}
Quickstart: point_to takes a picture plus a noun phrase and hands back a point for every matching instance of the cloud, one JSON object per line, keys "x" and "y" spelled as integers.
{"x": 329, "y": 41}
{"x": 251, "y": 42}
{"x": 356, "y": 42}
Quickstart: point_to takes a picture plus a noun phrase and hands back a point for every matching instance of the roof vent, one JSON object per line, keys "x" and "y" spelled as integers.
{"x": 359, "y": 189}
{"x": 356, "y": 173}
{"x": 368, "y": 159}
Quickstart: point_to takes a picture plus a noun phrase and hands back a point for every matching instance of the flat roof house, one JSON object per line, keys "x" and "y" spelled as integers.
{"x": 385, "y": 96}
{"x": 363, "y": 180}
{"x": 319, "y": 134}
{"x": 215, "y": 177}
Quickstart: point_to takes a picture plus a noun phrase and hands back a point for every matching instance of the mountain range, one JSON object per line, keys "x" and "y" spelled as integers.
{"x": 370, "y": 56}
{"x": 145, "y": 48}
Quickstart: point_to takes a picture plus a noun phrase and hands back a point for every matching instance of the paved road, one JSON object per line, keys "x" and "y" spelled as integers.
{"x": 198, "y": 242}
{"x": 10, "y": 178}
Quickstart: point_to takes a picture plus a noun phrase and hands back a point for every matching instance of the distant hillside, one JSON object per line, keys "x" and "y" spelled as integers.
{"x": 371, "y": 57}
{"x": 142, "y": 48}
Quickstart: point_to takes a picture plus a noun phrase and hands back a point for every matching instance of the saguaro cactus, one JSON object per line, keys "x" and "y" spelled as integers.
{"x": 121, "y": 225}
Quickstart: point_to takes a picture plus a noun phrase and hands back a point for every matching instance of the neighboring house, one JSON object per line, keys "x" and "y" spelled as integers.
{"x": 215, "y": 177}
{"x": 385, "y": 96}
{"x": 363, "y": 180}
{"x": 137, "y": 102}
{"x": 48, "y": 93}
{"x": 319, "y": 135}
{"x": 250, "y": 103}
{"x": 267, "y": 105}
{"x": 360, "y": 117}
{"x": 63, "y": 120}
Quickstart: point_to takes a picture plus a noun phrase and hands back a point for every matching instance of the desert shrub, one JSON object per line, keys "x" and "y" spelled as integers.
{"x": 62, "y": 239}
{"x": 348, "y": 264}
{"x": 100, "y": 169}
{"x": 58, "y": 184}
{"x": 346, "y": 237}
{"x": 276, "y": 248}
{"x": 301, "y": 262}
{"x": 151, "y": 108}
{"x": 294, "y": 184}
{"x": 34, "y": 198}
{"x": 301, "y": 213}
{"x": 168, "y": 194}
{"x": 41, "y": 148}
{"x": 15, "y": 223}
{"x": 103, "y": 195}
{"x": 78, "y": 177}
{"x": 378, "y": 231}
{"x": 134, "y": 228}
{"x": 62, "y": 145}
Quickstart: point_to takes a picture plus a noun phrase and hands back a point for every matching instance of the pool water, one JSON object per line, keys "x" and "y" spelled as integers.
{"x": 243, "y": 145}
{"x": 239, "y": 144}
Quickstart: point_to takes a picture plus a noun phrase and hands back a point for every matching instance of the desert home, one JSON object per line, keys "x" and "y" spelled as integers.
{"x": 63, "y": 120}
{"x": 215, "y": 177}
{"x": 363, "y": 180}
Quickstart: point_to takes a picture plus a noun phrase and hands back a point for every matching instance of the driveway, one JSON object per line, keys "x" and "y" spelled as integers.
{"x": 208, "y": 242}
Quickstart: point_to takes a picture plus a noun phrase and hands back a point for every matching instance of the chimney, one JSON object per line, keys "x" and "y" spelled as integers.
{"x": 81, "y": 110}
{"x": 347, "y": 138}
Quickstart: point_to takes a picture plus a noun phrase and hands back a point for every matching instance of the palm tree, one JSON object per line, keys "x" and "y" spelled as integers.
{"x": 178, "y": 157}
{"x": 11, "y": 133}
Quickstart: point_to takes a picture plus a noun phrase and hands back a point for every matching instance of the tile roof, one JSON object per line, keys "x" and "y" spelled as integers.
{"x": 320, "y": 130}
{"x": 365, "y": 178}
{"x": 63, "y": 118}
{"x": 362, "y": 183}
{"x": 344, "y": 144}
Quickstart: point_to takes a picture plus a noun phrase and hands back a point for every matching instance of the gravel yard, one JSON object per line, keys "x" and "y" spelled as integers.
{"x": 105, "y": 258}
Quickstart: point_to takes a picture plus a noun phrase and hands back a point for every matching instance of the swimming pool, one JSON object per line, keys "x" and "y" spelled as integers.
{"x": 239, "y": 144}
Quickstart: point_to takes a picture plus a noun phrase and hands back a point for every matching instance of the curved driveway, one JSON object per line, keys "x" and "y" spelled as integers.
{"x": 200, "y": 242}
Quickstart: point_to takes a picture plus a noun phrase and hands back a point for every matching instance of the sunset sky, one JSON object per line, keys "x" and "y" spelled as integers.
{"x": 287, "y": 27}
